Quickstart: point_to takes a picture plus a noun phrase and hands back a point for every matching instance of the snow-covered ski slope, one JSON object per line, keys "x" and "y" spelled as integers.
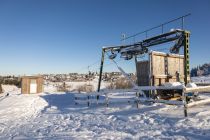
{"x": 55, "y": 116}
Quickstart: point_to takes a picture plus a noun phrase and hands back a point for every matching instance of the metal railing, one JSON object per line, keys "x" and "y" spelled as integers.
{"x": 159, "y": 26}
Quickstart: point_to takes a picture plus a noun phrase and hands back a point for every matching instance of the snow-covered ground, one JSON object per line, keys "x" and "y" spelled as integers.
{"x": 55, "y": 116}
{"x": 51, "y": 87}
{"x": 9, "y": 88}
{"x": 201, "y": 79}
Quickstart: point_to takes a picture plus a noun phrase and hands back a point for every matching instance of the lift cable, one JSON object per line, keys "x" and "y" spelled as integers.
{"x": 123, "y": 72}
{"x": 107, "y": 65}
{"x": 94, "y": 64}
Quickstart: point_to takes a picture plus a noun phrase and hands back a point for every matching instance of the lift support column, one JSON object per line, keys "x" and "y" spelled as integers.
{"x": 186, "y": 58}
{"x": 101, "y": 70}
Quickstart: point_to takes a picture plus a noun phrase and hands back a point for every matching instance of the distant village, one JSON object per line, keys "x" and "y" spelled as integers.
{"x": 71, "y": 77}
{"x": 76, "y": 77}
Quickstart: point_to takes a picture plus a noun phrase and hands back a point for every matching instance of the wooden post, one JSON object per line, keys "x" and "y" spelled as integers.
{"x": 177, "y": 76}
{"x": 75, "y": 98}
{"x": 107, "y": 100}
{"x": 184, "y": 103}
{"x": 137, "y": 99}
{"x": 97, "y": 98}
{"x": 88, "y": 100}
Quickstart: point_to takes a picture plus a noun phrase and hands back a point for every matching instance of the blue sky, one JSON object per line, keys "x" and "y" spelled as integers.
{"x": 62, "y": 36}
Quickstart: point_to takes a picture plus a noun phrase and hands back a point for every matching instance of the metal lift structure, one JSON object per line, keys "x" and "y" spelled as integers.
{"x": 180, "y": 37}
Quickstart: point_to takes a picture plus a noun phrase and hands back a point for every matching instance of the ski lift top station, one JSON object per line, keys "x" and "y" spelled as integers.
{"x": 180, "y": 37}
{"x": 161, "y": 68}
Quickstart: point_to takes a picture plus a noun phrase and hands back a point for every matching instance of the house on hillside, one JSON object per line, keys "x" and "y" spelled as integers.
{"x": 31, "y": 84}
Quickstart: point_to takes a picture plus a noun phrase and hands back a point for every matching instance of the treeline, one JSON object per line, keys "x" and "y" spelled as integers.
{"x": 10, "y": 80}
{"x": 200, "y": 70}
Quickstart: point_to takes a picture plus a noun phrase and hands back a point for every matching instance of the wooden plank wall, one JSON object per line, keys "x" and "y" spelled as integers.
{"x": 1, "y": 88}
{"x": 165, "y": 66}
{"x": 163, "y": 69}
{"x": 40, "y": 83}
{"x": 167, "y": 63}
{"x": 25, "y": 84}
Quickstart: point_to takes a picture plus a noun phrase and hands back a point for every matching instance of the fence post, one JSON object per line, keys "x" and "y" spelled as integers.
{"x": 184, "y": 103}
{"x": 137, "y": 99}
{"x": 88, "y": 100}
{"x": 107, "y": 100}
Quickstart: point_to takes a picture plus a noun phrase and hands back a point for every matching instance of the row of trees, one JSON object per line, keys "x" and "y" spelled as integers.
{"x": 10, "y": 80}
{"x": 200, "y": 70}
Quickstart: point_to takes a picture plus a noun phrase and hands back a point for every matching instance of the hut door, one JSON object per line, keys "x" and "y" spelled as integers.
{"x": 33, "y": 86}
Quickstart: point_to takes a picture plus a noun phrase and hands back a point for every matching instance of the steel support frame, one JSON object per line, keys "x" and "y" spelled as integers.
{"x": 101, "y": 69}
{"x": 155, "y": 41}
{"x": 186, "y": 57}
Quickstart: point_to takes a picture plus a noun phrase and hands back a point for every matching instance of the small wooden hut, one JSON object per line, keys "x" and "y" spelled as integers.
{"x": 1, "y": 88}
{"x": 31, "y": 84}
{"x": 160, "y": 68}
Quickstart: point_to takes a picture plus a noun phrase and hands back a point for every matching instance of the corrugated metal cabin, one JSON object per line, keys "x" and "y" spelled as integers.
{"x": 31, "y": 84}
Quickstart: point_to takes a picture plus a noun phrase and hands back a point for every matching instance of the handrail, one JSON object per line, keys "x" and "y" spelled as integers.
{"x": 161, "y": 25}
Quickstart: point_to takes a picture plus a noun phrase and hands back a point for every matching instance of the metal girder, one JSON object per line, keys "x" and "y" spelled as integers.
{"x": 142, "y": 46}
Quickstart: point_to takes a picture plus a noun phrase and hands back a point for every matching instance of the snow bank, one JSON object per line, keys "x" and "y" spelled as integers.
{"x": 191, "y": 85}
{"x": 52, "y": 87}
{"x": 17, "y": 109}
{"x": 174, "y": 84}
{"x": 54, "y": 116}
{"x": 201, "y": 79}
{"x": 9, "y": 88}
{"x": 14, "y": 107}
